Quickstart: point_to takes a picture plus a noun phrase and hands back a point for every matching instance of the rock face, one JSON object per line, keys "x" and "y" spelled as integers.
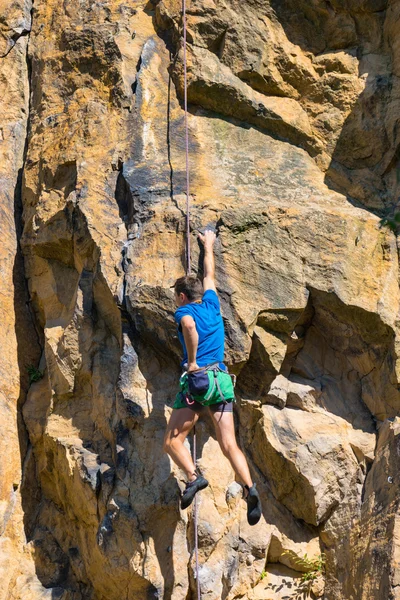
{"x": 20, "y": 341}
{"x": 293, "y": 125}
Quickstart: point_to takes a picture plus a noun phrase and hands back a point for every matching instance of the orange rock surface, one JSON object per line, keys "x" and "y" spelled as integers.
{"x": 293, "y": 131}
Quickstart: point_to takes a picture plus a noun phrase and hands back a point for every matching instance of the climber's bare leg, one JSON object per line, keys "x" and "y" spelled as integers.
{"x": 225, "y": 431}
{"x": 180, "y": 424}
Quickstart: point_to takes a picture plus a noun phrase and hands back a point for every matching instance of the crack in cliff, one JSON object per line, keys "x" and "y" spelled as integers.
{"x": 125, "y": 207}
{"x": 26, "y": 449}
{"x": 19, "y": 203}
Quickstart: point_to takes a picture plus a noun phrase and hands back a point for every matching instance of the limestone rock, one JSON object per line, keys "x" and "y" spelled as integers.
{"x": 305, "y": 58}
{"x": 303, "y": 393}
{"x": 293, "y": 140}
{"x": 279, "y": 582}
{"x": 296, "y": 392}
{"x": 213, "y": 86}
{"x": 278, "y": 391}
{"x": 376, "y": 539}
{"x": 307, "y": 459}
{"x": 20, "y": 344}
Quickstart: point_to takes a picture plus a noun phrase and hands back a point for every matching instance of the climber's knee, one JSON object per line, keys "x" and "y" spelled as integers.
{"x": 228, "y": 447}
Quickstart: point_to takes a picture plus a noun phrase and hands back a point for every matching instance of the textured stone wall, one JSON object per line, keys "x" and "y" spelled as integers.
{"x": 294, "y": 109}
{"x": 20, "y": 345}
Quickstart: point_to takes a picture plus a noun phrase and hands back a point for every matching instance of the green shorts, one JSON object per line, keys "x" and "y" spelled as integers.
{"x": 218, "y": 388}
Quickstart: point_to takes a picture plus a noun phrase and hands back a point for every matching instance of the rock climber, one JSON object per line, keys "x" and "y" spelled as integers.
{"x": 205, "y": 383}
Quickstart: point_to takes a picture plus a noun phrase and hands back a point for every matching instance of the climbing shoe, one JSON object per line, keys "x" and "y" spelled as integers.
{"x": 253, "y": 505}
{"x": 191, "y": 489}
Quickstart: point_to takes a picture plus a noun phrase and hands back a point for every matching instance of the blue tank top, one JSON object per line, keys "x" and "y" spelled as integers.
{"x": 210, "y": 328}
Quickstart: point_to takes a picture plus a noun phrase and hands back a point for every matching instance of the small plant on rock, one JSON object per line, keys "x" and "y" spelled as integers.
{"x": 393, "y": 223}
{"x": 313, "y": 567}
{"x": 263, "y": 574}
{"x": 34, "y": 374}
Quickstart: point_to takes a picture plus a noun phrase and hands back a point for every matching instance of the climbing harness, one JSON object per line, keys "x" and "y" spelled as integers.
{"x": 207, "y": 385}
{"x": 188, "y": 269}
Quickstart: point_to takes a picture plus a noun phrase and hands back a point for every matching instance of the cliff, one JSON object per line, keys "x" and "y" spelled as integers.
{"x": 294, "y": 157}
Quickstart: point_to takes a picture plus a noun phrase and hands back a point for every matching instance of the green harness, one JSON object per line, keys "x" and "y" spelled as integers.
{"x": 208, "y": 385}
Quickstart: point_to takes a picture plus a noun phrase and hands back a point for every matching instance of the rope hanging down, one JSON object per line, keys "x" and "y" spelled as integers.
{"x": 188, "y": 269}
{"x": 188, "y": 259}
{"x": 196, "y": 541}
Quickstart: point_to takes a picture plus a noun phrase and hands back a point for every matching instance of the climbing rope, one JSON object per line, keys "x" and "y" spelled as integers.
{"x": 188, "y": 259}
{"x": 188, "y": 269}
{"x": 196, "y": 541}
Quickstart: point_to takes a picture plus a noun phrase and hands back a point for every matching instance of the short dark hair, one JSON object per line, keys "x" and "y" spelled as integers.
{"x": 190, "y": 285}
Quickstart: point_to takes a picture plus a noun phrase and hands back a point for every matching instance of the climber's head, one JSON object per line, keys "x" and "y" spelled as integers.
{"x": 187, "y": 289}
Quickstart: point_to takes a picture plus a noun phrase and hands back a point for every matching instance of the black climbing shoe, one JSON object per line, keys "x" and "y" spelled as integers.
{"x": 253, "y": 505}
{"x": 191, "y": 489}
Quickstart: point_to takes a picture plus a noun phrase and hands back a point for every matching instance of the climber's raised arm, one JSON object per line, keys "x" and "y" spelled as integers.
{"x": 208, "y": 239}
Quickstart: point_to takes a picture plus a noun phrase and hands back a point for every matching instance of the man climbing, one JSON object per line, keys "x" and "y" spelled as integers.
{"x": 206, "y": 383}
